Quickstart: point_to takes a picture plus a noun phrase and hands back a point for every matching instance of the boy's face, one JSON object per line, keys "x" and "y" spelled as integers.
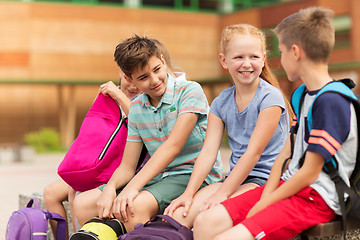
{"x": 288, "y": 61}
{"x": 151, "y": 79}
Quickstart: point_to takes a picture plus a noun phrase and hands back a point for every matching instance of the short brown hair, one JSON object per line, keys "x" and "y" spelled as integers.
{"x": 312, "y": 30}
{"x": 135, "y": 52}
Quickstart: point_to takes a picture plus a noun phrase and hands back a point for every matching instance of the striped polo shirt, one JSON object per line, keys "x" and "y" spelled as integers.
{"x": 152, "y": 125}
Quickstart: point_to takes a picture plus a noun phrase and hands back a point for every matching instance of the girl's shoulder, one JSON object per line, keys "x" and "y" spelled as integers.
{"x": 227, "y": 93}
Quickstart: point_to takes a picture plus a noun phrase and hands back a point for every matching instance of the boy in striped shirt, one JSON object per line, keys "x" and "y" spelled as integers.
{"x": 170, "y": 118}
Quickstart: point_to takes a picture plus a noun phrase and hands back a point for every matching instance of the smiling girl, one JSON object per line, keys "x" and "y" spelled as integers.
{"x": 254, "y": 113}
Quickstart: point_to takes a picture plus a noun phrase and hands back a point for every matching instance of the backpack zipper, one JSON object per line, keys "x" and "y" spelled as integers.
{"x": 117, "y": 129}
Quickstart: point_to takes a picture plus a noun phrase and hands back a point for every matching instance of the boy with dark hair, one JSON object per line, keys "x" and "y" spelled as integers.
{"x": 302, "y": 196}
{"x": 170, "y": 118}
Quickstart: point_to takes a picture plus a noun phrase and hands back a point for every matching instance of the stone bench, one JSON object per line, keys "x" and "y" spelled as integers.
{"x": 331, "y": 231}
{"x": 25, "y": 198}
{"x": 325, "y": 231}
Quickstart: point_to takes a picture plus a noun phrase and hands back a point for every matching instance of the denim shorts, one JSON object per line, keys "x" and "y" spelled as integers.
{"x": 252, "y": 179}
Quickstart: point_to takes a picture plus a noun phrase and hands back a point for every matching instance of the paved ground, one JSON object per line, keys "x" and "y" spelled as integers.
{"x": 16, "y": 178}
{"x": 32, "y": 177}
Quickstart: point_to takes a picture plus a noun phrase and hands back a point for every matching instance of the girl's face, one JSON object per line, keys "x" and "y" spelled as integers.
{"x": 244, "y": 58}
{"x": 129, "y": 89}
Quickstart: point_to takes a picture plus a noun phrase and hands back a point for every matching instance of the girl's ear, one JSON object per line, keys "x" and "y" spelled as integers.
{"x": 222, "y": 60}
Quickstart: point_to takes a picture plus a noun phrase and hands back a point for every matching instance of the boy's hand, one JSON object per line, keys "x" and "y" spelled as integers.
{"x": 123, "y": 202}
{"x": 105, "y": 202}
{"x": 183, "y": 200}
{"x": 213, "y": 200}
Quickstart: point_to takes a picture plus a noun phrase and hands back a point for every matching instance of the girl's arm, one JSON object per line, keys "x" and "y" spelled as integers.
{"x": 203, "y": 164}
{"x": 115, "y": 93}
{"x": 305, "y": 176}
{"x": 267, "y": 122}
{"x": 276, "y": 171}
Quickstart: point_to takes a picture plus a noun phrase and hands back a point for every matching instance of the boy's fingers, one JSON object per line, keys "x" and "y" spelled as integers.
{"x": 123, "y": 210}
{"x": 186, "y": 208}
{"x": 131, "y": 208}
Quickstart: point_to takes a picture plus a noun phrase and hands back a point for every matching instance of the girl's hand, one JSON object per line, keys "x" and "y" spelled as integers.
{"x": 109, "y": 89}
{"x": 105, "y": 202}
{"x": 256, "y": 208}
{"x": 183, "y": 200}
{"x": 123, "y": 202}
{"x": 213, "y": 200}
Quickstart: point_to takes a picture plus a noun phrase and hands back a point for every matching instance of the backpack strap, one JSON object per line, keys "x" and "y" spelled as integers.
{"x": 61, "y": 224}
{"x": 337, "y": 87}
{"x": 297, "y": 99}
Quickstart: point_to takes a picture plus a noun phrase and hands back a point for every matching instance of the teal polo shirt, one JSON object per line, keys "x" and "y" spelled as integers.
{"x": 152, "y": 125}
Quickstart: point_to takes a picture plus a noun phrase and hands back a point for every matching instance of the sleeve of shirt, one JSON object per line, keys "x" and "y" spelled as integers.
{"x": 215, "y": 107}
{"x": 273, "y": 98}
{"x": 331, "y": 124}
{"x": 193, "y": 99}
{"x": 133, "y": 132}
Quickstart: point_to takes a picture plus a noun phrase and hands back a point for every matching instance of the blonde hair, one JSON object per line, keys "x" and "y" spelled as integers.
{"x": 312, "y": 30}
{"x": 266, "y": 72}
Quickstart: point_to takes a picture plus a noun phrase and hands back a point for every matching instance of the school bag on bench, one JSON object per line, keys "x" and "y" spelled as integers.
{"x": 30, "y": 223}
{"x": 350, "y": 209}
{"x": 99, "y": 147}
{"x": 161, "y": 227}
{"x": 99, "y": 229}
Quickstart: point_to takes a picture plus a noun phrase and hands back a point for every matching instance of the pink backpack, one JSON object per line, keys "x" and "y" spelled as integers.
{"x": 99, "y": 147}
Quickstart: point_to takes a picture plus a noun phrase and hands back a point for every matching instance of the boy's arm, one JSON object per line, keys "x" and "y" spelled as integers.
{"x": 305, "y": 176}
{"x": 121, "y": 176}
{"x": 162, "y": 157}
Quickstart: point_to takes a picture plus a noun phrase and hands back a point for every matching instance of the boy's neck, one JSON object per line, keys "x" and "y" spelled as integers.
{"x": 315, "y": 75}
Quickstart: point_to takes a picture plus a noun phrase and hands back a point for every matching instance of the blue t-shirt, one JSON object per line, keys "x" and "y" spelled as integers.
{"x": 240, "y": 125}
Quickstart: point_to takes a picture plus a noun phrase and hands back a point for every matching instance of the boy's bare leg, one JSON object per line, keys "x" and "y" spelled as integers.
{"x": 145, "y": 207}
{"x": 85, "y": 205}
{"x": 54, "y": 195}
{"x": 238, "y": 232}
{"x": 199, "y": 198}
{"x": 212, "y": 222}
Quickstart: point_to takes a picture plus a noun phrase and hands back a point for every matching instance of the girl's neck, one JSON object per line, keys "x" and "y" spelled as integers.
{"x": 244, "y": 93}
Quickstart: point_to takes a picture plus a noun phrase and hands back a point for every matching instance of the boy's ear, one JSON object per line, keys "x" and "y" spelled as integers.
{"x": 222, "y": 61}
{"x": 297, "y": 51}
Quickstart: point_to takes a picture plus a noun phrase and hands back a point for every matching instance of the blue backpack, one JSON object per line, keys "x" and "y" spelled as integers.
{"x": 351, "y": 208}
{"x": 30, "y": 223}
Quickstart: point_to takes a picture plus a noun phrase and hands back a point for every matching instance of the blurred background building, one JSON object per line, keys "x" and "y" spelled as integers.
{"x": 54, "y": 54}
